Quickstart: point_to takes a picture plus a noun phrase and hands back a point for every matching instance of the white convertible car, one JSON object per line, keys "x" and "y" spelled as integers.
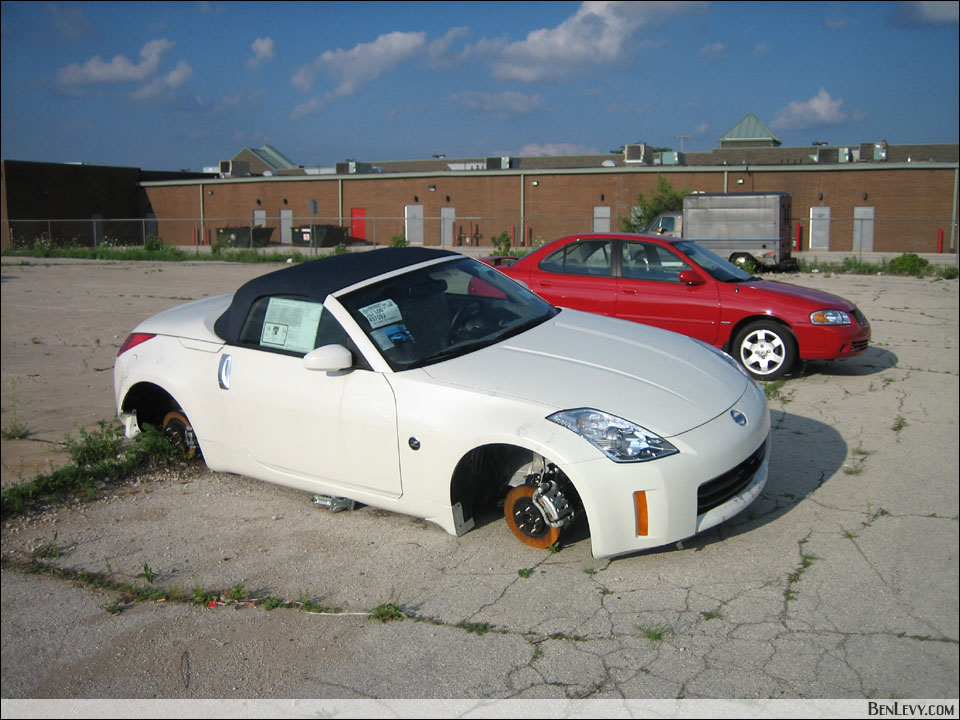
{"x": 427, "y": 383}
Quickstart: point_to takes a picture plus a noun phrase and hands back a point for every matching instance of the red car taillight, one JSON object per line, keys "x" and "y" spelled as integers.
{"x": 134, "y": 339}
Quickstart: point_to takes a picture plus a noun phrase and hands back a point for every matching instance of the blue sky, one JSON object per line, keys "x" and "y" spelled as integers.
{"x": 185, "y": 85}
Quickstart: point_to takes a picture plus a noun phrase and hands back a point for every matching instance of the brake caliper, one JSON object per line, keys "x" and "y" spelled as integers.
{"x": 549, "y": 496}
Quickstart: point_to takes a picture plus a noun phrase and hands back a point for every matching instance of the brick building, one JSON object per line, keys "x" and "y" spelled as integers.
{"x": 909, "y": 202}
{"x": 903, "y": 195}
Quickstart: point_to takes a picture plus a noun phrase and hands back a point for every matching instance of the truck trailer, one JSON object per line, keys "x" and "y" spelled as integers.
{"x": 742, "y": 227}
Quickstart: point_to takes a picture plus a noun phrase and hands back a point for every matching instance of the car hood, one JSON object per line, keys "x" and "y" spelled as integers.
{"x": 666, "y": 382}
{"x": 817, "y": 299}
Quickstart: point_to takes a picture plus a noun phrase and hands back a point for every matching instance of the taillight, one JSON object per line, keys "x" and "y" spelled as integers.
{"x": 134, "y": 339}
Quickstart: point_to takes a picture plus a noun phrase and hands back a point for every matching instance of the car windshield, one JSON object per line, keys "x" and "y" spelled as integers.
{"x": 442, "y": 311}
{"x": 718, "y": 268}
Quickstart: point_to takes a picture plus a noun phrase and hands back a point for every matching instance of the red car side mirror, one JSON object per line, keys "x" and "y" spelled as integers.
{"x": 691, "y": 277}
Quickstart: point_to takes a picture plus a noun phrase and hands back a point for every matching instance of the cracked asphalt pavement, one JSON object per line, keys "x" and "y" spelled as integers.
{"x": 839, "y": 582}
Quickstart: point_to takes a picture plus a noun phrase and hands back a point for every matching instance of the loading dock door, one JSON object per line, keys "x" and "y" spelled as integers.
{"x": 863, "y": 228}
{"x": 286, "y": 224}
{"x": 413, "y": 224}
{"x": 820, "y": 228}
{"x": 601, "y": 218}
{"x": 448, "y": 218}
{"x": 358, "y": 223}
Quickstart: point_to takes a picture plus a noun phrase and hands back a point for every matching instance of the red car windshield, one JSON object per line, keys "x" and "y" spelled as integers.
{"x": 718, "y": 268}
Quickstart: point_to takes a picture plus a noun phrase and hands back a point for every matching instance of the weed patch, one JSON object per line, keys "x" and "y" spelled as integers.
{"x": 654, "y": 633}
{"x": 388, "y": 612}
{"x": 98, "y": 460}
{"x": 806, "y": 561}
{"x": 475, "y": 628}
{"x": 15, "y": 429}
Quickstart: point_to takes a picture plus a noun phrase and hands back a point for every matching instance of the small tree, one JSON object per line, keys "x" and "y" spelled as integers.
{"x": 501, "y": 244}
{"x": 663, "y": 199}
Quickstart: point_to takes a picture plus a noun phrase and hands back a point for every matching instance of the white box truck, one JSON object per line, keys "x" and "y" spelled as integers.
{"x": 741, "y": 227}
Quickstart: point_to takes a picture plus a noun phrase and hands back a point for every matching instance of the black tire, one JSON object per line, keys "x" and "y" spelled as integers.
{"x": 525, "y": 519}
{"x": 178, "y": 430}
{"x": 766, "y": 349}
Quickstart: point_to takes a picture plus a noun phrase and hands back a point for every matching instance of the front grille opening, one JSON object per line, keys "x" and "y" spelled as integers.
{"x": 716, "y": 492}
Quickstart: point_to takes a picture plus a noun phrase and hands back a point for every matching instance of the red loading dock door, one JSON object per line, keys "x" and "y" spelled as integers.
{"x": 358, "y": 223}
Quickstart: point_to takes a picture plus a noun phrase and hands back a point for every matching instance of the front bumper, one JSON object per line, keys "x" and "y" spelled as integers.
{"x": 828, "y": 342}
{"x": 721, "y": 456}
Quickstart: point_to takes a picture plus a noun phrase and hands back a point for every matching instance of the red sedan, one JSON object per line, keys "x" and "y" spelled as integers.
{"x": 678, "y": 285}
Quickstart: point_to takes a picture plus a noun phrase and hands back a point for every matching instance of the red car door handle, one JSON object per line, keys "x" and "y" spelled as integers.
{"x": 629, "y": 291}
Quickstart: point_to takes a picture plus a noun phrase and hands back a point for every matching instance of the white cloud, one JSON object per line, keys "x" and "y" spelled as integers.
{"x": 119, "y": 69}
{"x": 69, "y": 23}
{"x": 171, "y": 81}
{"x": 312, "y": 106}
{"x": 355, "y": 68}
{"x": 761, "y": 48}
{"x": 533, "y": 149}
{"x": 439, "y": 52}
{"x": 818, "y": 111}
{"x": 926, "y": 13}
{"x": 839, "y": 22}
{"x": 713, "y": 50}
{"x": 503, "y": 104}
{"x": 263, "y": 49}
{"x": 599, "y": 33}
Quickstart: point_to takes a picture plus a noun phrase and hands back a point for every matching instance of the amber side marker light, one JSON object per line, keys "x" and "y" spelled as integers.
{"x": 134, "y": 339}
{"x": 640, "y": 505}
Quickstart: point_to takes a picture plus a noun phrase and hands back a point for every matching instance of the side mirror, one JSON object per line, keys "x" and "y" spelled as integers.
{"x": 329, "y": 358}
{"x": 691, "y": 277}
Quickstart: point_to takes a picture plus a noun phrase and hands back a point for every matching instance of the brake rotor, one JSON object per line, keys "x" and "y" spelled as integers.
{"x": 526, "y": 521}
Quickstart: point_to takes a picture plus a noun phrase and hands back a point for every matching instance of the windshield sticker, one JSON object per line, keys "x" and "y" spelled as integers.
{"x": 291, "y": 324}
{"x": 382, "y": 313}
{"x": 388, "y": 337}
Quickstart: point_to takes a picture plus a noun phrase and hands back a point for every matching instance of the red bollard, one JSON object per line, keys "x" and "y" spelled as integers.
{"x": 940, "y": 240}
{"x": 799, "y": 241}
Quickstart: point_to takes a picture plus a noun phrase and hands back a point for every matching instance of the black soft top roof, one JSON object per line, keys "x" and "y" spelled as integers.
{"x": 317, "y": 279}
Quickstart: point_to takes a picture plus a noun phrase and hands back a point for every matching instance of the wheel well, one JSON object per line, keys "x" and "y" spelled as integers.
{"x": 485, "y": 474}
{"x": 151, "y": 403}
{"x": 735, "y": 330}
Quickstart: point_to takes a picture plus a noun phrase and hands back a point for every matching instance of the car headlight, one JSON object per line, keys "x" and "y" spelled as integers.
{"x": 618, "y": 439}
{"x": 830, "y": 317}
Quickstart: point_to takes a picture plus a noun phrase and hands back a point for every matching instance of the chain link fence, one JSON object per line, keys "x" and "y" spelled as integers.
{"x": 290, "y": 232}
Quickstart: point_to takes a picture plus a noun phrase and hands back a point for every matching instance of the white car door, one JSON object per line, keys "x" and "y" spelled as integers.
{"x": 336, "y": 428}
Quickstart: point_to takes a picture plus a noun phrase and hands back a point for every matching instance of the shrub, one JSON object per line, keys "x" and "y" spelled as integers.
{"x": 501, "y": 244}
{"x": 153, "y": 243}
{"x": 909, "y": 264}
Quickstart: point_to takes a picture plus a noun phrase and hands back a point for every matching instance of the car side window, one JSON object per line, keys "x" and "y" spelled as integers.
{"x": 649, "y": 261}
{"x": 293, "y": 325}
{"x": 584, "y": 257}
